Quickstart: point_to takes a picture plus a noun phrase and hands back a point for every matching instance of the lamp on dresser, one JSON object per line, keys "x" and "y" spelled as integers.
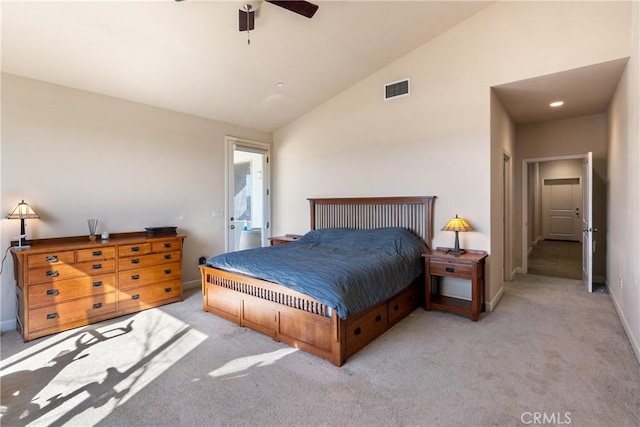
{"x": 23, "y": 211}
{"x": 457, "y": 224}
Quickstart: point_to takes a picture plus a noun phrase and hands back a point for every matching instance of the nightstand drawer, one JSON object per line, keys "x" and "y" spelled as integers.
{"x": 451, "y": 269}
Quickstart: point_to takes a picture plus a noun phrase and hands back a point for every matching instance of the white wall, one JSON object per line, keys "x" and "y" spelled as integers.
{"x": 623, "y": 236}
{"x": 437, "y": 141}
{"x": 74, "y": 155}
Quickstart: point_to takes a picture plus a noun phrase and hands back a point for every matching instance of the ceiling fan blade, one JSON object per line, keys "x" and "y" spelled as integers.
{"x": 303, "y": 8}
{"x": 243, "y": 22}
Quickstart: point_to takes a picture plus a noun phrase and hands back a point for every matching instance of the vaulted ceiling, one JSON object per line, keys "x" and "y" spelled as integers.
{"x": 190, "y": 57}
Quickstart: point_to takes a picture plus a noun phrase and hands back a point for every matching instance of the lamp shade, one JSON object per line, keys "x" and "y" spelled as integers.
{"x": 23, "y": 211}
{"x": 457, "y": 224}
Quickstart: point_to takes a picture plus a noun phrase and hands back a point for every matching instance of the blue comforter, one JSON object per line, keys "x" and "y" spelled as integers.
{"x": 346, "y": 269}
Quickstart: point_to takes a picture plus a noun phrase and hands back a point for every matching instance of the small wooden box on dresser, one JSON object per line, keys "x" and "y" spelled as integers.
{"x": 67, "y": 282}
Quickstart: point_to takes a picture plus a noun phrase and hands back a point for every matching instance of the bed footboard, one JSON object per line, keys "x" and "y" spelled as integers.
{"x": 297, "y": 319}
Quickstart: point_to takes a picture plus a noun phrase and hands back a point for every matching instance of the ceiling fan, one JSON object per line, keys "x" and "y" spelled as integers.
{"x": 246, "y": 15}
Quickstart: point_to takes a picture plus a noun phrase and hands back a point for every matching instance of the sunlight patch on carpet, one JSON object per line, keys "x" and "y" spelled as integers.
{"x": 78, "y": 377}
{"x": 241, "y": 364}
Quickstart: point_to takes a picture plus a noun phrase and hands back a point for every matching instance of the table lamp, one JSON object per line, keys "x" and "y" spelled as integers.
{"x": 23, "y": 211}
{"x": 457, "y": 224}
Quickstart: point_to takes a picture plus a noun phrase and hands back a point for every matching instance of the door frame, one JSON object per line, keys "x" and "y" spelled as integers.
{"x": 525, "y": 199}
{"x": 229, "y": 176}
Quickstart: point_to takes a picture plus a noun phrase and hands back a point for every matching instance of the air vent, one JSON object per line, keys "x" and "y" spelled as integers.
{"x": 396, "y": 89}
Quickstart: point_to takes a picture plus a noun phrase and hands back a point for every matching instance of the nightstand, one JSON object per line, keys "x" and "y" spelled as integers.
{"x": 470, "y": 266}
{"x": 287, "y": 238}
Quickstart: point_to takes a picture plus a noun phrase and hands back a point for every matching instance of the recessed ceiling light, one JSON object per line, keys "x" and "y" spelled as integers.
{"x": 556, "y": 104}
{"x": 279, "y": 84}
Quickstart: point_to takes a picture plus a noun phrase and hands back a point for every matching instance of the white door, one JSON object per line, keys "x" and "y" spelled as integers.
{"x": 587, "y": 223}
{"x": 248, "y": 205}
{"x": 561, "y": 204}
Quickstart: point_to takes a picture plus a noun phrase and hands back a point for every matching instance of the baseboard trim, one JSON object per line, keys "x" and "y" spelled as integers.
{"x": 491, "y": 305}
{"x": 625, "y": 325}
{"x": 192, "y": 284}
{"x": 8, "y": 325}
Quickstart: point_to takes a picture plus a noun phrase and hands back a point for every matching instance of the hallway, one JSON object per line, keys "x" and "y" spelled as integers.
{"x": 556, "y": 258}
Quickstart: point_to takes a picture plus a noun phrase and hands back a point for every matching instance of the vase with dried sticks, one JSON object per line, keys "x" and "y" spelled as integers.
{"x": 93, "y": 226}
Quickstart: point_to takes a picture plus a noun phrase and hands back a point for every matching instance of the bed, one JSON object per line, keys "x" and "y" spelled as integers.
{"x": 310, "y": 323}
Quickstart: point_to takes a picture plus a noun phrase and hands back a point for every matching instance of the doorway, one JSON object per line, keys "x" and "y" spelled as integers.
{"x": 553, "y": 208}
{"x": 248, "y": 205}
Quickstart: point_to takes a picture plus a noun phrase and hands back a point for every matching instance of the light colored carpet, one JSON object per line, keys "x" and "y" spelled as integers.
{"x": 550, "y": 351}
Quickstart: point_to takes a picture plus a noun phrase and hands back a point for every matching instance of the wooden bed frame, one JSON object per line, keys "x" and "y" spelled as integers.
{"x": 303, "y": 322}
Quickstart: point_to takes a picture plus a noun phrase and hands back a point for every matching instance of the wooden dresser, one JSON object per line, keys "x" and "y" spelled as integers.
{"x": 64, "y": 283}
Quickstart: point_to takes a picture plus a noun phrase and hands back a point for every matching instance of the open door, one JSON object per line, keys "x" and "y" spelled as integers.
{"x": 587, "y": 224}
{"x": 248, "y": 206}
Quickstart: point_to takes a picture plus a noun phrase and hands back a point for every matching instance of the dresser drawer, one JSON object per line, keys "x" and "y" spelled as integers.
{"x": 166, "y": 245}
{"x": 133, "y": 250}
{"x": 64, "y": 290}
{"x": 148, "y": 296}
{"x": 450, "y": 269}
{"x": 144, "y": 276}
{"x": 59, "y": 272}
{"x": 53, "y": 258}
{"x": 80, "y": 310}
{"x": 108, "y": 252}
{"x": 129, "y": 263}
{"x": 96, "y": 267}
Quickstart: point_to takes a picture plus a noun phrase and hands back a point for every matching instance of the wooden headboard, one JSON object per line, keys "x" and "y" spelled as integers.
{"x": 413, "y": 213}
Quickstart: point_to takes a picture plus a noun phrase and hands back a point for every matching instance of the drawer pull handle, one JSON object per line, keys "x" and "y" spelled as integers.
{"x": 136, "y": 296}
{"x": 97, "y": 305}
{"x": 96, "y": 253}
{"x": 52, "y": 292}
{"x": 167, "y": 290}
{"x": 167, "y": 257}
{"x": 357, "y": 331}
{"x": 51, "y": 316}
{"x": 97, "y": 284}
{"x": 135, "y": 277}
{"x": 53, "y": 273}
{"x": 135, "y": 261}
{"x": 52, "y": 258}
{"x": 96, "y": 266}
{"x": 449, "y": 269}
{"x": 168, "y": 271}
{"x": 135, "y": 249}
{"x": 167, "y": 245}
{"x": 396, "y": 307}
{"x": 378, "y": 318}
